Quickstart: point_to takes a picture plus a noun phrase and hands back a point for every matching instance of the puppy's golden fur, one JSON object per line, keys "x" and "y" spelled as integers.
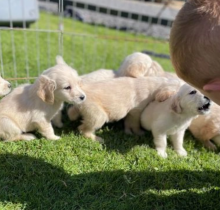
{"x": 195, "y": 46}
{"x": 99, "y": 75}
{"x": 207, "y": 127}
{"x": 173, "y": 116}
{"x": 134, "y": 65}
{"x": 32, "y": 106}
{"x": 112, "y": 100}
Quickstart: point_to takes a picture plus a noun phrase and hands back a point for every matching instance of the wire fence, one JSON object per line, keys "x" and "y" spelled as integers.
{"x": 89, "y": 34}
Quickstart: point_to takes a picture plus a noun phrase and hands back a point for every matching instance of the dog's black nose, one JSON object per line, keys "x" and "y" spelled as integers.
{"x": 207, "y": 98}
{"x": 82, "y": 97}
{"x": 9, "y": 85}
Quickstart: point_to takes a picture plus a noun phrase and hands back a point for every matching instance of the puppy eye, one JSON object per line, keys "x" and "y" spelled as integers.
{"x": 193, "y": 92}
{"x": 67, "y": 88}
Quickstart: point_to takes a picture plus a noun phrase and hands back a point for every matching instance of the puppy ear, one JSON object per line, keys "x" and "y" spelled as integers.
{"x": 46, "y": 87}
{"x": 163, "y": 95}
{"x": 59, "y": 60}
{"x": 212, "y": 86}
{"x": 175, "y": 105}
{"x": 136, "y": 70}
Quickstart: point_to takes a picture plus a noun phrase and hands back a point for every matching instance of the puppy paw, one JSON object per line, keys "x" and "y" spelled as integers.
{"x": 73, "y": 113}
{"x": 28, "y": 137}
{"x": 91, "y": 135}
{"x": 53, "y": 137}
{"x": 128, "y": 131}
{"x": 209, "y": 145}
{"x": 57, "y": 124}
{"x": 99, "y": 139}
{"x": 181, "y": 152}
{"x": 162, "y": 153}
{"x": 24, "y": 137}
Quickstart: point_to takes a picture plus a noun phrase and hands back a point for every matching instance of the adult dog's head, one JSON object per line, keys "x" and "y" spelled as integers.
{"x": 60, "y": 83}
{"x": 5, "y": 87}
{"x": 190, "y": 101}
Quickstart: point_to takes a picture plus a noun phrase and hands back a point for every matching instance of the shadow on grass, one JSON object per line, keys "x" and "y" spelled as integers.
{"x": 39, "y": 185}
{"x": 115, "y": 137}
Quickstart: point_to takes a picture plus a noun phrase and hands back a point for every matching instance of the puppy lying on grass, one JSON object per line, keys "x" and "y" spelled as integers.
{"x": 112, "y": 100}
{"x": 207, "y": 127}
{"x": 5, "y": 87}
{"x": 32, "y": 106}
{"x": 173, "y": 116}
{"x": 134, "y": 65}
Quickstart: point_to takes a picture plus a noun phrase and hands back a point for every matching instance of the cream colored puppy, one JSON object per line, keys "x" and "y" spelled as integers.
{"x": 32, "y": 106}
{"x": 112, "y": 100}
{"x": 5, "y": 87}
{"x": 173, "y": 116}
{"x": 136, "y": 65}
{"x": 207, "y": 127}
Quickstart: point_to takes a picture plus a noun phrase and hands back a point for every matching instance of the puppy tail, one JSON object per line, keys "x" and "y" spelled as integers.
{"x": 59, "y": 60}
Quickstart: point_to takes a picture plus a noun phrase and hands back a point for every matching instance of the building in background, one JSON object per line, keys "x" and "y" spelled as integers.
{"x": 18, "y": 12}
{"x": 150, "y": 18}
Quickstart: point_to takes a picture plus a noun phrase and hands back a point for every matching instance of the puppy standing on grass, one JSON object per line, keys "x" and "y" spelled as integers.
{"x": 173, "y": 116}
{"x": 31, "y": 107}
{"x": 112, "y": 100}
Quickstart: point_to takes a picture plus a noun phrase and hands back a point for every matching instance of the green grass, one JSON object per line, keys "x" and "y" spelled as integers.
{"x": 75, "y": 173}
{"x": 86, "y": 49}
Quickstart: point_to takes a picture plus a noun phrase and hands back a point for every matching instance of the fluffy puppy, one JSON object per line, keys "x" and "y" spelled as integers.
{"x": 134, "y": 65}
{"x": 112, "y": 100}
{"x": 5, "y": 87}
{"x": 98, "y": 75}
{"x": 138, "y": 65}
{"x": 207, "y": 127}
{"x": 141, "y": 65}
{"x": 173, "y": 116}
{"x": 34, "y": 105}
{"x": 195, "y": 46}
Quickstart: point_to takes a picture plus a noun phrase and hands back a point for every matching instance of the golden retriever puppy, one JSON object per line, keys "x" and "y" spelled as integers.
{"x": 112, "y": 100}
{"x": 134, "y": 65}
{"x": 98, "y": 75}
{"x": 173, "y": 116}
{"x": 195, "y": 46}
{"x": 207, "y": 127}
{"x": 5, "y": 87}
{"x": 32, "y": 106}
{"x": 139, "y": 65}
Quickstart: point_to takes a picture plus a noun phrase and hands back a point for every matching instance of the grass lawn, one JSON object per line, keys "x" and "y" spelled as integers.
{"x": 75, "y": 173}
